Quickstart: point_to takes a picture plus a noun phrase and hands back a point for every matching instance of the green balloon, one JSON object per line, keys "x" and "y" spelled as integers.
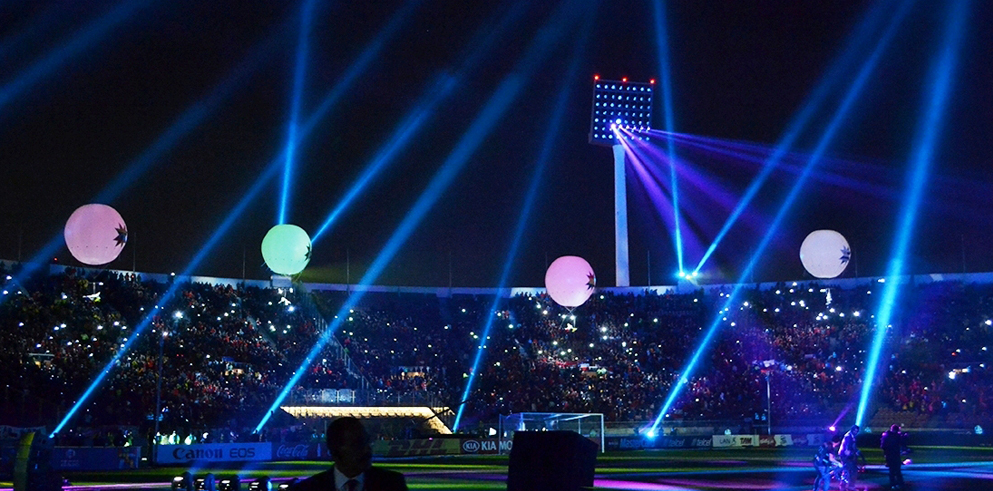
{"x": 286, "y": 249}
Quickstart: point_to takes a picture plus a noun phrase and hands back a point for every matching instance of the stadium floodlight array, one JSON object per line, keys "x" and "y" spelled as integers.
{"x": 619, "y": 104}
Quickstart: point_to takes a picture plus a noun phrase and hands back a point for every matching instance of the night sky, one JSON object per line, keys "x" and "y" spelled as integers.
{"x": 77, "y": 110}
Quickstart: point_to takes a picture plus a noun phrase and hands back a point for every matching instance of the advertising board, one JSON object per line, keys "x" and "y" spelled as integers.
{"x": 213, "y": 452}
{"x": 95, "y": 458}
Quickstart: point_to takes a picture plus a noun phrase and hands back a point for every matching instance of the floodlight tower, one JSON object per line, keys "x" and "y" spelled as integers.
{"x": 617, "y": 105}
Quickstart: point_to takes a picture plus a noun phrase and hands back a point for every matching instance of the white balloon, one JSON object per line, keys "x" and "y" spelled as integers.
{"x": 95, "y": 234}
{"x": 825, "y": 253}
{"x": 286, "y": 249}
{"x": 570, "y": 281}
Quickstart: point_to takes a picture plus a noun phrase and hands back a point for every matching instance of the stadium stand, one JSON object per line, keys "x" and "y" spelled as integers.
{"x": 234, "y": 346}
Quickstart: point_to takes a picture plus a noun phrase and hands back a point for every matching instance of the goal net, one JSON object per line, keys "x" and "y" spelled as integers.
{"x": 589, "y": 425}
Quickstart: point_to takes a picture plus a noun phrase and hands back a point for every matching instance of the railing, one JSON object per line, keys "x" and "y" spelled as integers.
{"x": 362, "y": 397}
{"x": 711, "y": 427}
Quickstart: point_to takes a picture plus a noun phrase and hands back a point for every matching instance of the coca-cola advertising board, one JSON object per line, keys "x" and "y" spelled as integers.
{"x": 299, "y": 451}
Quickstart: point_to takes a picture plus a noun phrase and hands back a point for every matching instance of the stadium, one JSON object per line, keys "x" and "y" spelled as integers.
{"x": 759, "y": 237}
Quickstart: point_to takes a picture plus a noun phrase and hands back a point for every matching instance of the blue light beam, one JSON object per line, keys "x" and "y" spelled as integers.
{"x": 400, "y": 138}
{"x": 86, "y": 38}
{"x": 662, "y": 39}
{"x": 261, "y": 182}
{"x": 29, "y": 33}
{"x": 369, "y": 54}
{"x": 838, "y": 69}
{"x": 426, "y": 105}
{"x": 840, "y": 115}
{"x": 189, "y": 120}
{"x": 299, "y": 74}
{"x": 551, "y": 136}
{"x": 494, "y": 109}
{"x": 219, "y": 233}
{"x": 653, "y": 184}
{"x": 928, "y": 131}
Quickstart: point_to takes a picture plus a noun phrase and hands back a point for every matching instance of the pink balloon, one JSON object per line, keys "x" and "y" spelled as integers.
{"x": 95, "y": 234}
{"x": 570, "y": 281}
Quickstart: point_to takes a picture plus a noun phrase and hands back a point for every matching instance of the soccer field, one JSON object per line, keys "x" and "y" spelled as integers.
{"x": 933, "y": 468}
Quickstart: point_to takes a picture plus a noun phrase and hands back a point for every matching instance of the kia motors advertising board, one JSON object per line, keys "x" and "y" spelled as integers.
{"x": 486, "y": 446}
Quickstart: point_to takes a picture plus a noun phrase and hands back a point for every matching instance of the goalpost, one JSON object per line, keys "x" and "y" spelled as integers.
{"x": 589, "y": 425}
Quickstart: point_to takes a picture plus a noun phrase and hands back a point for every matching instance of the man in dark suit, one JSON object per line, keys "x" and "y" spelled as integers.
{"x": 350, "y": 448}
{"x": 893, "y": 443}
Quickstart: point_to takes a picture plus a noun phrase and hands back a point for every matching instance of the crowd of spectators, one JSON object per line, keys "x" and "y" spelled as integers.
{"x": 226, "y": 352}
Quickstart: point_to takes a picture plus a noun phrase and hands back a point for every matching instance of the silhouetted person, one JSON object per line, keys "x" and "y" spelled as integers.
{"x": 848, "y": 453}
{"x": 892, "y": 442}
{"x": 826, "y": 464}
{"x": 350, "y": 448}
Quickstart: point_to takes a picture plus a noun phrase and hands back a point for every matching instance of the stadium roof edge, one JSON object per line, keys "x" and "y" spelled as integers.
{"x": 282, "y": 281}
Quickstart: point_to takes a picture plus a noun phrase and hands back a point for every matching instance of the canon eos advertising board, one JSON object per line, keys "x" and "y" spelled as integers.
{"x": 214, "y": 452}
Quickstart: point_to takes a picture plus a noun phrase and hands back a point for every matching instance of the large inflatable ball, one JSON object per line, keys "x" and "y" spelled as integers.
{"x": 570, "y": 281}
{"x": 95, "y": 234}
{"x": 825, "y": 253}
{"x": 286, "y": 249}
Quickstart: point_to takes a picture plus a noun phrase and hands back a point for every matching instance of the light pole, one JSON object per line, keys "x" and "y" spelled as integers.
{"x": 158, "y": 381}
{"x": 158, "y": 399}
{"x": 768, "y": 403}
{"x": 158, "y": 386}
{"x": 766, "y": 368}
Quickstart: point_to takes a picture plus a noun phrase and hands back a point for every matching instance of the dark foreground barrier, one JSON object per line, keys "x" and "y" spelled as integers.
{"x": 560, "y": 460}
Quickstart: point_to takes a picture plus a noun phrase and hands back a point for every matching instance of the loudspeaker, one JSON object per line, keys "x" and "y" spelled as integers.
{"x": 551, "y": 461}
